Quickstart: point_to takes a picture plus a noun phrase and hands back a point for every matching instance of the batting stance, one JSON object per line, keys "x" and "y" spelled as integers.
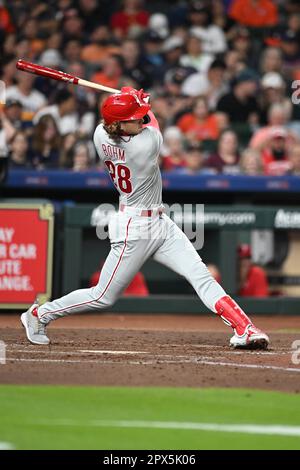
{"x": 128, "y": 142}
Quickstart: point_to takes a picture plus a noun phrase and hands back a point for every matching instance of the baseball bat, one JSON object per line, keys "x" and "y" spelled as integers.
{"x": 60, "y": 76}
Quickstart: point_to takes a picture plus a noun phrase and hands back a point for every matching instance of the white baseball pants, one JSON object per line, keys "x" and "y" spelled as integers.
{"x": 134, "y": 239}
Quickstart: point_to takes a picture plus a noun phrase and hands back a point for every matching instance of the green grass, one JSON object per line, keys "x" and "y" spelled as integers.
{"x": 29, "y": 417}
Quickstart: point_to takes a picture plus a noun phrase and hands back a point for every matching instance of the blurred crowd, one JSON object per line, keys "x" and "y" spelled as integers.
{"x": 224, "y": 78}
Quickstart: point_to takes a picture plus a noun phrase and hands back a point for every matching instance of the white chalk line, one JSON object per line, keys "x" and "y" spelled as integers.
{"x": 192, "y": 360}
{"x": 100, "y": 351}
{"x": 6, "y": 446}
{"x": 277, "y": 429}
{"x": 104, "y": 351}
{"x": 76, "y": 352}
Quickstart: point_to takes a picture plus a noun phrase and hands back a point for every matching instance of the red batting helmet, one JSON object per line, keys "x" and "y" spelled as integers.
{"x": 123, "y": 107}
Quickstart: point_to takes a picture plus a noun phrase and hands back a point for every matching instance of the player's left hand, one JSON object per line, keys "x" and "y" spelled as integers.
{"x": 141, "y": 94}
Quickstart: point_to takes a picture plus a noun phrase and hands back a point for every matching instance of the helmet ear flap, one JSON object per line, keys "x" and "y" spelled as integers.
{"x": 146, "y": 119}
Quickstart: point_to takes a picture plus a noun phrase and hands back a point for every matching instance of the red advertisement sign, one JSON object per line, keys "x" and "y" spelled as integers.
{"x": 26, "y": 250}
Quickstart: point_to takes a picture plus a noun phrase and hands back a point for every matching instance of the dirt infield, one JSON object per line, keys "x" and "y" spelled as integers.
{"x": 145, "y": 350}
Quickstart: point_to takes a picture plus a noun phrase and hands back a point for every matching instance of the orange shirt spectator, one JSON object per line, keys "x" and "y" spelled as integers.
{"x": 254, "y": 13}
{"x": 110, "y": 74}
{"x": 206, "y": 129}
{"x": 103, "y": 79}
{"x": 95, "y": 53}
{"x": 199, "y": 124}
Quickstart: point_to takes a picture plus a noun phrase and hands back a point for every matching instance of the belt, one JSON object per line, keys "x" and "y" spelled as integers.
{"x": 141, "y": 212}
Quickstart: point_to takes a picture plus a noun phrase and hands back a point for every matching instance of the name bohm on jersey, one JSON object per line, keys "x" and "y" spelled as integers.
{"x": 113, "y": 152}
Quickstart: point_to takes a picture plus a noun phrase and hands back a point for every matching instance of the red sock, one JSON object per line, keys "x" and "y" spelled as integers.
{"x": 232, "y": 314}
{"x": 35, "y": 312}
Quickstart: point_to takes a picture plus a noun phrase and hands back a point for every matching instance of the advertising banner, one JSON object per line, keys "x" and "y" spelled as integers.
{"x": 26, "y": 253}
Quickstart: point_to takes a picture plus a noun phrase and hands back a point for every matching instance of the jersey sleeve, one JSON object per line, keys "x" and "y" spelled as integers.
{"x": 96, "y": 139}
{"x": 156, "y": 139}
{"x": 153, "y": 121}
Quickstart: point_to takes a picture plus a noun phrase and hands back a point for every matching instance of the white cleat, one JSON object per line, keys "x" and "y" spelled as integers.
{"x": 35, "y": 330}
{"x": 252, "y": 338}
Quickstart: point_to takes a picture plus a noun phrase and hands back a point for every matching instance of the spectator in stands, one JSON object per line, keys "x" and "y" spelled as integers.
{"x": 234, "y": 65}
{"x": 19, "y": 154}
{"x": 7, "y": 131}
{"x": 275, "y": 153}
{"x": 111, "y": 72}
{"x": 14, "y": 114}
{"x": 133, "y": 66}
{"x": 291, "y": 54}
{"x": 240, "y": 104}
{"x": 131, "y": 21}
{"x": 73, "y": 51}
{"x": 54, "y": 41}
{"x": 23, "y": 49}
{"x": 226, "y": 159}
{"x": 92, "y": 12}
{"x": 9, "y": 44}
{"x": 251, "y": 162}
{"x": 66, "y": 152}
{"x": 31, "y": 32}
{"x": 173, "y": 154}
{"x": 241, "y": 43}
{"x": 294, "y": 158}
{"x": 6, "y": 22}
{"x": 81, "y": 160}
{"x": 53, "y": 59}
{"x": 252, "y": 279}
{"x": 273, "y": 91}
{"x": 278, "y": 117}
{"x": 152, "y": 43}
{"x": 200, "y": 124}
{"x": 212, "y": 84}
{"x": 46, "y": 141}
{"x": 194, "y": 56}
{"x": 31, "y": 99}
{"x": 271, "y": 60}
{"x": 158, "y": 22}
{"x": 202, "y": 26}
{"x": 254, "y": 13}
{"x": 63, "y": 112}
{"x": 8, "y": 69}
{"x": 72, "y": 25}
{"x": 100, "y": 47}
{"x": 176, "y": 102}
{"x": 194, "y": 161}
{"x": 172, "y": 50}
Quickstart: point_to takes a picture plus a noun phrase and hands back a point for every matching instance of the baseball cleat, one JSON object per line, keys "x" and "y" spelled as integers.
{"x": 252, "y": 338}
{"x": 35, "y": 330}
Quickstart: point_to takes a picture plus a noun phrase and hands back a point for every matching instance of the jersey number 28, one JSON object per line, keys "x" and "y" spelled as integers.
{"x": 120, "y": 176}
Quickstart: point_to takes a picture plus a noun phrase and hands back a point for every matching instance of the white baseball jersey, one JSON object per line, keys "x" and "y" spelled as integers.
{"x": 132, "y": 162}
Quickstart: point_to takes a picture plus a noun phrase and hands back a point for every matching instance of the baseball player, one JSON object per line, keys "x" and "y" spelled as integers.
{"x": 128, "y": 142}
